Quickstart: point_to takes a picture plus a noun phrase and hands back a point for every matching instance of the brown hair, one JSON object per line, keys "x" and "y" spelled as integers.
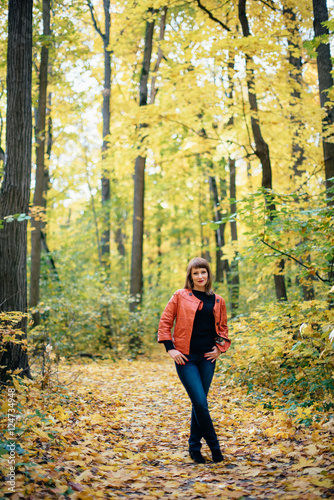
{"x": 196, "y": 263}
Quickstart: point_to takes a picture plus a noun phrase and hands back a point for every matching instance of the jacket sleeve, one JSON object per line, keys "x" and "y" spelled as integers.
{"x": 167, "y": 320}
{"x": 222, "y": 341}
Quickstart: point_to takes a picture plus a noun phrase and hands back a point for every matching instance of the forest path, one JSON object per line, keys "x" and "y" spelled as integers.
{"x": 122, "y": 431}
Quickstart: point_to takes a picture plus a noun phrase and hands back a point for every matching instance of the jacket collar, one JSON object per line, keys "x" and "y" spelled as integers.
{"x": 187, "y": 293}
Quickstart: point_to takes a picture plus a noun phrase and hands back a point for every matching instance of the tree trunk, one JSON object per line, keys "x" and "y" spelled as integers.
{"x": 325, "y": 78}
{"x": 222, "y": 265}
{"x": 49, "y": 142}
{"x": 40, "y": 187}
{"x": 2, "y": 153}
{"x": 160, "y": 55}
{"x": 54, "y": 272}
{"x": 119, "y": 238}
{"x": 233, "y": 275}
{"x": 92, "y": 201}
{"x": 234, "y": 282}
{"x": 307, "y": 287}
{"x": 105, "y": 180}
{"x": 14, "y": 194}
{"x": 295, "y": 74}
{"x": 136, "y": 285}
{"x": 159, "y": 252}
{"x": 152, "y": 99}
{"x": 262, "y": 148}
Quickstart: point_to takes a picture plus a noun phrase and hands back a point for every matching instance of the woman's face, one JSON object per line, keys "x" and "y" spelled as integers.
{"x": 200, "y": 278}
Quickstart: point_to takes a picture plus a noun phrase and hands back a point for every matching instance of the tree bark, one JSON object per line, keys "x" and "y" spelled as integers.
{"x": 295, "y": 74}
{"x": 136, "y": 285}
{"x": 49, "y": 142}
{"x": 160, "y": 55}
{"x": 233, "y": 275}
{"x": 222, "y": 265}
{"x": 14, "y": 194}
{"x": 262, "y": 148}
{"x": 105, "y": 180}
{"x": 55, "y": 276}
{"x": 325, "y": 78}
{"x": 152, "y": 100}
{"x": 39, "y": 202}
{"x": 234, "y": 282}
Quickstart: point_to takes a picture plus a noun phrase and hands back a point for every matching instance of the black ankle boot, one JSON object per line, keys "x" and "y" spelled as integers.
{"x": 197, "y": 457}
{"x": 217, "y": 456}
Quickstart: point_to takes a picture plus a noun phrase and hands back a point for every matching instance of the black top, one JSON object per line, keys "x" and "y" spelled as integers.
{"x": 204, "y": 333}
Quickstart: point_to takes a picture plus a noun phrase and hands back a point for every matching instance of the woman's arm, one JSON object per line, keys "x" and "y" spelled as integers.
{"x": 167, "y": 320}
{"x": 222, "y": 341}
{"x": 168, "y": 345}
{"x": 165, "y": 331}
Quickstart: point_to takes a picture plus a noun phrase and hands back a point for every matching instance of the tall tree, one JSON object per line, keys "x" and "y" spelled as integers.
{"x": 325, "y": 78}
{"x": 324, "y": 64}
{"x": 295, "y": 76}
{"x": 233, "y": 278}
{"x": 136, "y": 284}
{"x": 14, "y": 194}
{"x": 262, "y": 148}
{"x": 233, "y": 275}
{"x": 222, "y": 265}
{"x": 105, "y": 180}
{"x": 41, "y": 177}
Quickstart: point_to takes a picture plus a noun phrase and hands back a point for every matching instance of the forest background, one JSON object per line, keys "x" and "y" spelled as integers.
{"x": 163, "y": 131}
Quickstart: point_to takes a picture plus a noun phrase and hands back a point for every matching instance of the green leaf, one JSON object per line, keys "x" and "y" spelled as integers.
{"x": 21, "y": 217}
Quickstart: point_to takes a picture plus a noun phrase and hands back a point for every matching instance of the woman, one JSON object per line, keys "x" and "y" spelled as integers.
{"x": 200, "y": 336}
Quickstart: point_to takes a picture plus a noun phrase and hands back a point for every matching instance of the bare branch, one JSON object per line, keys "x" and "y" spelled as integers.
{"x": 211, "y": 16}
{"x": 242, "y": 146}
{"x": 269, "y": 4}
{"x": 91, "y": 8}
{"x": 296, "y": 260}
{"x": 200, "y": 134}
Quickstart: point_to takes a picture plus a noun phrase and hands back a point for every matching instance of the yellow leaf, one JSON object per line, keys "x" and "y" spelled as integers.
{"x": 61, "y": 487}
{"x": 61, "y": 414}
{"x": 324, "y": 483}
{"x": 302, "y": 464}
{"x": 4, "y": 407}
{"x": 84, "y": 476}
{"x": 171, "y": 484}
{"x": 40, "y": 433}
{"x": 312, "y": 450}
{"x": 16, "y": 384}
{"x": 96, "y": 418}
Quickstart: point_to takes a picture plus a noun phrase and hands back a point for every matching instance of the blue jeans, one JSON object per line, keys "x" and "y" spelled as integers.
{"x": 196, "y": 376}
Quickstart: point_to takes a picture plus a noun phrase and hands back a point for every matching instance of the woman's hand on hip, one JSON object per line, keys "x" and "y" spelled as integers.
{"x": 177, "y": 356}
{"x": 212, "y": 355}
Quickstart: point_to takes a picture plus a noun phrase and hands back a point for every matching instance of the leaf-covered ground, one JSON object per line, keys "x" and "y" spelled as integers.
{"x": 119, "y": 430}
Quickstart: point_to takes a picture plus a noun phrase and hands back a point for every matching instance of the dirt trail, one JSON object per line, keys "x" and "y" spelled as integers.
{"x": 123, "y": 431}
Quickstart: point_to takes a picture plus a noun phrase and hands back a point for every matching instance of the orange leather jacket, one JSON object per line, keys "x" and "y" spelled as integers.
{"x": 183, "y": 306}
